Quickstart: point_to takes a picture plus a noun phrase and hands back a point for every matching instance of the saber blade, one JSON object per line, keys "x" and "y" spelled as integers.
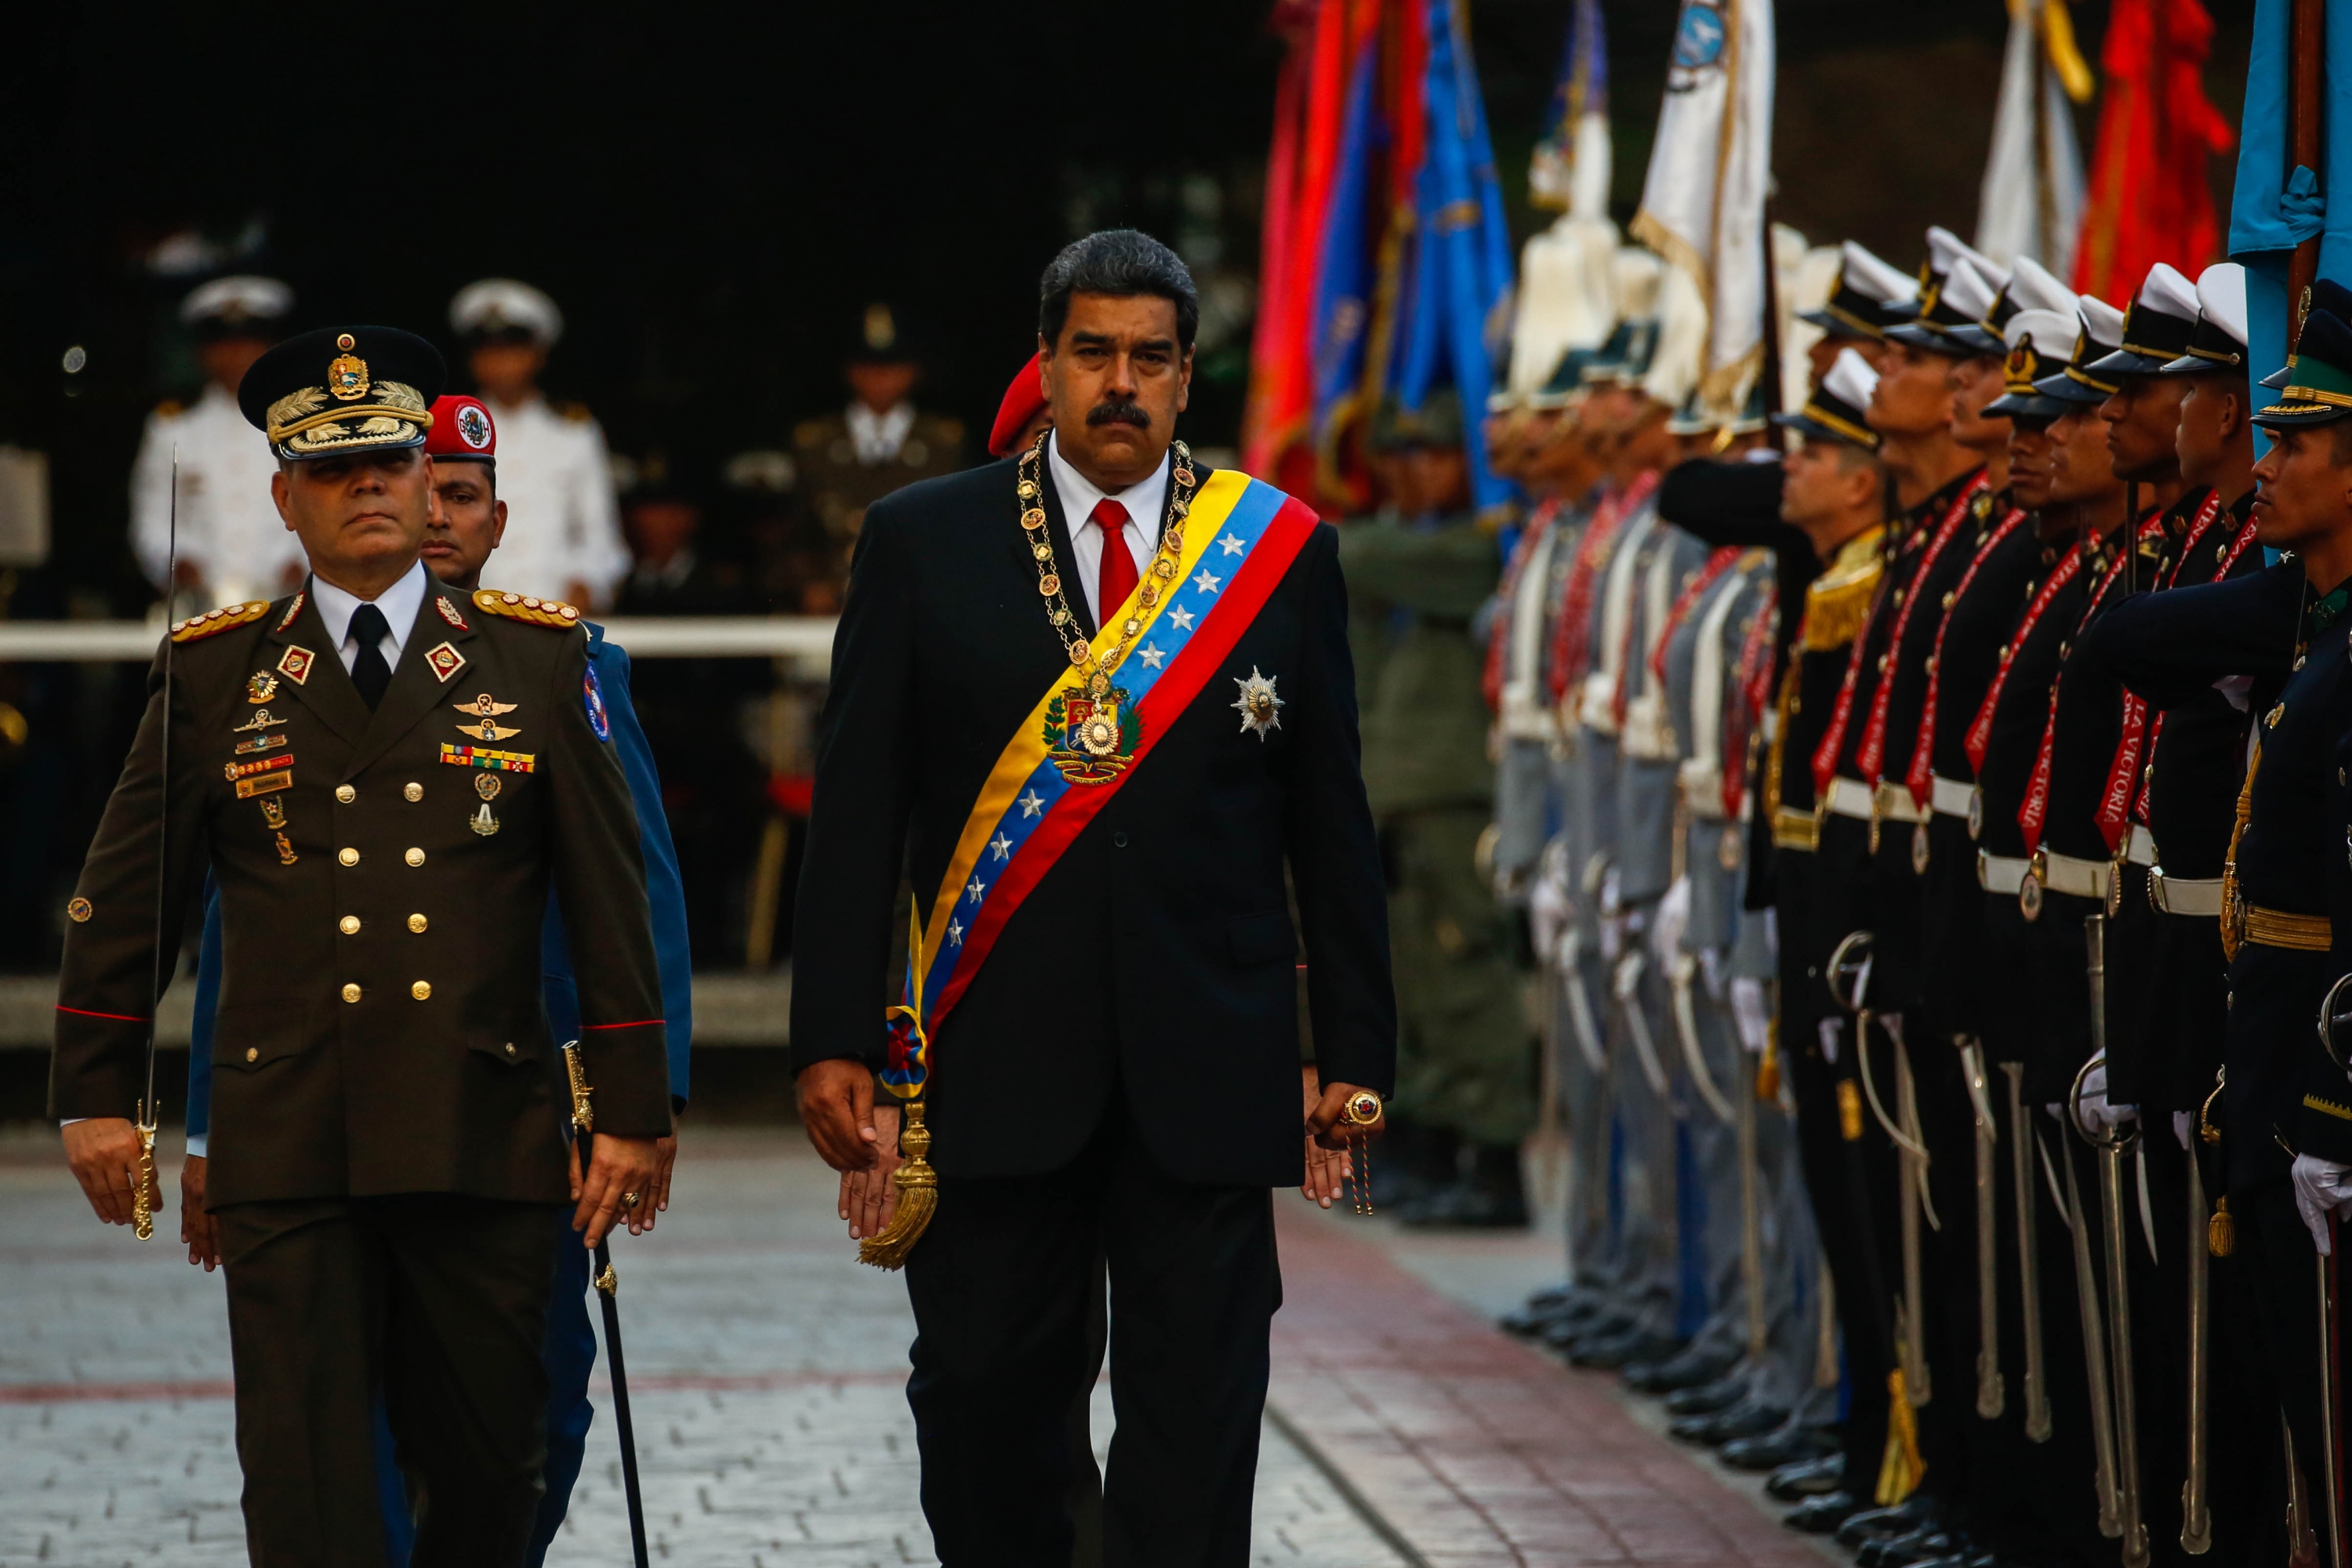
{"x": 142, "y": 1201}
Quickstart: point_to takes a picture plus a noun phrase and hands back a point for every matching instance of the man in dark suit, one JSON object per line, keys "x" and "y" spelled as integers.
{"x": 385, "y": 776}
{"x": 1106, "y": 980}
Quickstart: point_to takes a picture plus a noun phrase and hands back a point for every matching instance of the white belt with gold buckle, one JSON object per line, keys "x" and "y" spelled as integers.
{"x": 1951, "y": 798}
{"x": 2001, "y": 873}
{"x": 2184, "y": 895}
{"x": 1894, "y": 805}
{"x": 1849, "y": 797}
{"x": 2074, "y": 875}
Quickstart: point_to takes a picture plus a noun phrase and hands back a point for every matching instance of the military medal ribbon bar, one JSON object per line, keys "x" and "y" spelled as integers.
{"x": 1240, "y": 538}
{"x": 482, "y": 757}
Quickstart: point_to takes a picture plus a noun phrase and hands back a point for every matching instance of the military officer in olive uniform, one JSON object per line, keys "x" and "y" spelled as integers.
{"x": 1423, "y": 567}
{"x": 847, "y": 461}
{"x": 385, "y": 776}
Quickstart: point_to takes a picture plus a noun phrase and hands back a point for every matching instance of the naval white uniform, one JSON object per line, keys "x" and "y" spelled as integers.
{"x": 564, "y": 525}
{"x": 229, "y": 528}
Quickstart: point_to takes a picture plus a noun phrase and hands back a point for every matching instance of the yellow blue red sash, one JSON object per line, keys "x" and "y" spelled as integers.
{"x": 1240, "y": 538}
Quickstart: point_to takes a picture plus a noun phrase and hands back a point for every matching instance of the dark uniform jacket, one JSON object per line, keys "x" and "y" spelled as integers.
{"x": 380, "y": 1027}
{"x": 2170, "y": 647}
{"x": 1150, "y": 973}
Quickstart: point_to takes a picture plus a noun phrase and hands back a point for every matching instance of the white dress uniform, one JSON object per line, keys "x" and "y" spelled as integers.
{"x": 563, "y": 523}
{"x": 229, "y": 528}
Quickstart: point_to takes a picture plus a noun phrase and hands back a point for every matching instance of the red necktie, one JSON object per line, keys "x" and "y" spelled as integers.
{"x": 1115, "y": 580}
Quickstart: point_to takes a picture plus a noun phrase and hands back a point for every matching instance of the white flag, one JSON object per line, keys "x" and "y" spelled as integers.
{"x": 1703, "y": 204}
{"x": 2032, "y": 204}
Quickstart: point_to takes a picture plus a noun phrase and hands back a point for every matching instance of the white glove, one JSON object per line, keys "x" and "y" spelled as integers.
{"x": 1612, "y": 931}
{"x": 1833, "y": 1031}
{"x": 1748, "y": 1013}
{"x": 2180, "y": 1128}
{"x": 1711, "y": 969}
{"x": 1548, "y": 907}
{"x": 1672, "y": 919}
{"x": 2097, "y": 1115}
{"x": 2322, "y": 1188}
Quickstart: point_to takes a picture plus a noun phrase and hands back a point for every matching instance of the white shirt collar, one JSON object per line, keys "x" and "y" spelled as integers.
{"x": 879, "y": 436}
{"x": 399, "y": 604}
{"x": 1143, "y": 500}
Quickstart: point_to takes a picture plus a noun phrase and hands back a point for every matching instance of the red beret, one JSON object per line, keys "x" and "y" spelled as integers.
{"x": 1023, "y": 401}
{"x": 462, "y": 428}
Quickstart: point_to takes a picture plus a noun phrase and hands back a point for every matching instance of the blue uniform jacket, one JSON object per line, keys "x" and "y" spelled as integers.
{"x": 611, "y": 664}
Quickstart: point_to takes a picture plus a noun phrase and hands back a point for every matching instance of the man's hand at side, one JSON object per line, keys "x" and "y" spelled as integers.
{"x": 869, "y": 1199}
{"x": 616, "y": 1166}
{"x": 103, "y": 1154}
{"x": 836, "y": 1102}
{"x": 1323, "y": 1121}
{"x": 1326, "y": 1170}
{"x": 198, "y": 1230}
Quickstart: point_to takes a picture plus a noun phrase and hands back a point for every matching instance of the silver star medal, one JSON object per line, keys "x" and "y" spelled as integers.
{"x": 1260, "y": 709}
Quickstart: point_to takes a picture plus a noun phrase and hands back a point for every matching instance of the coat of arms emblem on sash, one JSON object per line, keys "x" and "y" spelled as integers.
{"x": 1091, "y": 734}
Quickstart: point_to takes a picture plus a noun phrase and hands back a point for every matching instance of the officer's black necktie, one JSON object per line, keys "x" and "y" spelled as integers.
{"x": 368, "y": 671}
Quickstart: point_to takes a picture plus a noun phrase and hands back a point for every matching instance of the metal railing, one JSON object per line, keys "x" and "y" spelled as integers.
{"x": 807, "y": 641}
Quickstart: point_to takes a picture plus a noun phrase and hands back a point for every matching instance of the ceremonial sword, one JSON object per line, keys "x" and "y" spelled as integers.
{"x": 143, "y": 1202}
{"x": 608, "y": 1285}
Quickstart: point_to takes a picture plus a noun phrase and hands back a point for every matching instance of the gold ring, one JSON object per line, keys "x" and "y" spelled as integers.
{"x": 1362, "y": 1109}
{"x": 628, "y": 1200}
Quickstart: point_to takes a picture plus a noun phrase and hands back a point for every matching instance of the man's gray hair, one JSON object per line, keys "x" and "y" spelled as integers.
{"x": 1124, "y": 262}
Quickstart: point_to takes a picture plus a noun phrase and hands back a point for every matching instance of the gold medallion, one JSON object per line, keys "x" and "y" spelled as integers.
{"x": 260, "y": 687}
{"x": 487, "y": 785}
{"x": 347, "y": 374}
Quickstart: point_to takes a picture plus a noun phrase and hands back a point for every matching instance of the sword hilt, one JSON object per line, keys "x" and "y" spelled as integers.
{"x": 143, "y": 1202}
{"x": 583, "y": 1110}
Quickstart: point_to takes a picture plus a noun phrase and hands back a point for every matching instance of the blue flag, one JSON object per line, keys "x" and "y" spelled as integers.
{"x": 2275, "y": 207}
{"x": 1343, "y": 289}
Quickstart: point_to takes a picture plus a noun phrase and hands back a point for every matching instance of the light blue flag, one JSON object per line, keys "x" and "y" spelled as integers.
{"x": 2274, "y": 207}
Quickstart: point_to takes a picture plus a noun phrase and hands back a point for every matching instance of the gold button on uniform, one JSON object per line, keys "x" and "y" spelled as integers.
{"x": 348, "y": 925}
{"x": 351, "y": 993}
{"x": 348, "y": 856}
{"x": 416, "y": 924}
{"x": 346, "y": 793}
{"x": 421, "y": 990}
{"x": 510, "y": 1047}
{"x": 253, "y": 1053}
{"x": 413, "y": 790}
{"x": 415, "y": 856}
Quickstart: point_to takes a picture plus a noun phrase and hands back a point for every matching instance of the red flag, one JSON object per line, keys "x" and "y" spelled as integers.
{"x": 2151, "y": 197}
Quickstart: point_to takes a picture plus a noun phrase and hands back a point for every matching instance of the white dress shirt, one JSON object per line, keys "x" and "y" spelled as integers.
{"x": 230, "y": 532}
{"x": 399, "y": 604}
{"x": 1143, "y": 502}
{"x": 563, "y": 523}
{"x": 879, "y": 436}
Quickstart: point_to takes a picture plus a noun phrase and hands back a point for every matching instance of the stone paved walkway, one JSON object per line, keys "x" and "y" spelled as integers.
{"x": 771, "y": 1422}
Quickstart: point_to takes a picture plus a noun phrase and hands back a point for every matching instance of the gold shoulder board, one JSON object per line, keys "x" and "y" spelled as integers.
{"x": 576, "y": 412}
{"x": 214, "y": 622}
{"x": 523, "y": 607}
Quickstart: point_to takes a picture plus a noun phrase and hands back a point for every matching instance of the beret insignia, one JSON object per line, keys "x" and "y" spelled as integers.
{"x": 212, "y": 623}
{"x": 523, "y": 607}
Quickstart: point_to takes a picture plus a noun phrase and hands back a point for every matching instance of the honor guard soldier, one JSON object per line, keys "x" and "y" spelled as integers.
{"x": 1833, "y": 490}
{"x": 849, "y": 461}
{"x": 2280, "y": 632}
{"x": 554, "y": 471}
{"x": 1102, "y": 1018}
{"x": 1422, "y": 567}
{"x": 232, "y": 545}
{"x": 386, "y": 1109}
{"x": 1868, "y": 297}
{"x": 2180, "y": 809}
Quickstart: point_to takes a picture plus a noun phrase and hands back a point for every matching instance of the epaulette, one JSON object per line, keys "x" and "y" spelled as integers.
{"x": 523, "y": 607}
{"x": 1837, "y": 602}
{"x": 170, "y": 408}
{"x": 576, "y": 412}
{"x": 214, "y": 622}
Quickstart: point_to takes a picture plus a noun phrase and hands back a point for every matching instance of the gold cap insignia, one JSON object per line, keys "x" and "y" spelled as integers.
{"x": 347, "y": 374}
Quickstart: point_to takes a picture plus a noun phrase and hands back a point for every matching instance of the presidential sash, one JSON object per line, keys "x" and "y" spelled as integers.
{"x": 1078, "y": 748}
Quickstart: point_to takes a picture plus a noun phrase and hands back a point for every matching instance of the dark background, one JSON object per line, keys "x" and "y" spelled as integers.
{"x": 714, "y": 196}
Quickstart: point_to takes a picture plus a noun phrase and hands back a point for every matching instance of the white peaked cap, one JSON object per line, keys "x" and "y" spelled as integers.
{"x": 1850, "y": 380}
{"x": 2032, "y": 287}
{"x": 1874, "y": 278}
{"x": 241, "y": 298}
{"x": 2222, "y": 298}
{"x": 2103, "y": 321}
{"x": 1968, "y": 292}
{"x": 1946, "y": 249}
{"x": 2168, "y": 293}
{"x": 499, "y": 303}
{"x": 1807, "y": 279}
{"x": 2053, "y": 332}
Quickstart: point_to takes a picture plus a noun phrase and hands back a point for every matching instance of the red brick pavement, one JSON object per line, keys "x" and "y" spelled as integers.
{"x": 1482, "y": 1450}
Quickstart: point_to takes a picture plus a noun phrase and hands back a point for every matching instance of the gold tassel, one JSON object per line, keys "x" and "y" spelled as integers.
{"x": 1768, "y": 1066}
{"x": 2221, "y": 1231}
{"x": 918, "y": 1195}
{"x": 1900, "y": 1471}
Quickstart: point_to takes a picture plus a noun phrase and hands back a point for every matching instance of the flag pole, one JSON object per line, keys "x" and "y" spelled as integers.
{"x": 2307, "y": 36}
{"x": 1772, "y": 382}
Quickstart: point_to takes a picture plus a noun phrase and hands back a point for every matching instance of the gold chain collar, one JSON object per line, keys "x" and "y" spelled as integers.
{"x": 1156, "y": 577}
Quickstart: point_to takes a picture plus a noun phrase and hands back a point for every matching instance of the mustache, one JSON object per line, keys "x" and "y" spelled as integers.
{"x": 1119, "y": 412}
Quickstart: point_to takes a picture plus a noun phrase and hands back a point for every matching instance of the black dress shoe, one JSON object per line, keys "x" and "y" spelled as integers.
{"x": 1907, "y": 1515}
{"x": 1563, "y": 1335}
{"x": 1707, "y": 1397}
{"x": 1784, "y": 1446}
{"x": 1801, "y": 1478}
{"x": 1820, "y": 1515}
{"x": 1749, "y": 1419}
{"x": 1688, "y": 1370}
{"x": 1920, "y": 1545}
{"x": 1609, "y": 1354}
